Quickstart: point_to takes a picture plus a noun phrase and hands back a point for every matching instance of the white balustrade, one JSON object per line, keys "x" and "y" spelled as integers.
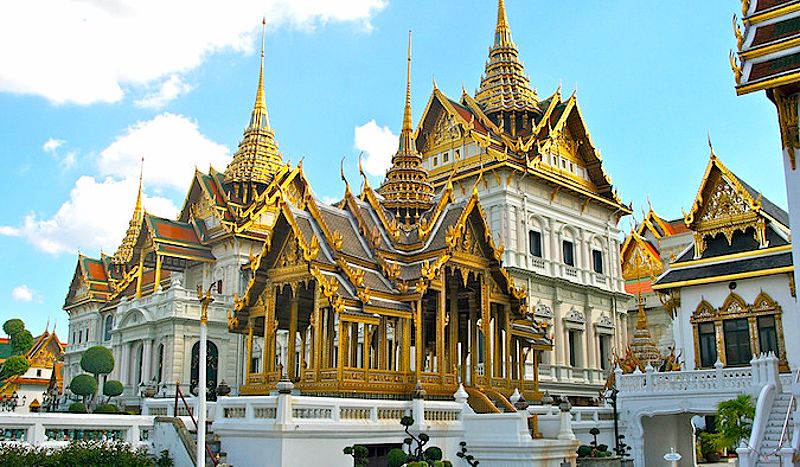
{"x": 59, "y": 429}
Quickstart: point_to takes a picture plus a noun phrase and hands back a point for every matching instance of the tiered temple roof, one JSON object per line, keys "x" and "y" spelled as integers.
{"x": 546, "y": 139}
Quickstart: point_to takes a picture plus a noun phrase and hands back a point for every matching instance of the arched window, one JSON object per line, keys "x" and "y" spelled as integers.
{"x": 160, "y": 362}
{"x": 109, "y": 323}
{"x": 211, "y": 369}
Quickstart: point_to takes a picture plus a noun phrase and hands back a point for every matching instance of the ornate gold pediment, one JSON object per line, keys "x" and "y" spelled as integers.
{"x": 704, "y": 311}
{"x": 640, "y": 263}
{"x": 445, "y": 130}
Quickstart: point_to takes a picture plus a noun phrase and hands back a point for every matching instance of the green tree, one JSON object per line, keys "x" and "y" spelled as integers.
{"x": 21, "y": 339}
{"x": 112, "y": 388}
{"x": 83, "y": 385}
{"x": 13, "y": 326}
{"x": 21, "y": 342}
{"x": 13, "y": 366}
{"x": 735, "y": 419}
{"x": 97, "y": 360}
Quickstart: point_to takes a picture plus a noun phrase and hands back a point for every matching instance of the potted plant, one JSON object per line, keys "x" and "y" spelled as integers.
{"x": 595, "y": 454}
{"x": 711, "y": 446}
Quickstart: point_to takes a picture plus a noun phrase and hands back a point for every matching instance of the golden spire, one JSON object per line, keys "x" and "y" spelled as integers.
{"x": 406, "y": 189}
{"x": 643, "y": 345}
{"x": 504, "y": 85}
{"x": 125, "y": 251}
{"x": 260, "y": 118}
{"x": 257, "y": 159}
{"x": 502, "y": 34}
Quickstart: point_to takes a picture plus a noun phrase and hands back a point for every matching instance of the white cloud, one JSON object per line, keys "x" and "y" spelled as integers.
{"x": 87, "y": 51}
{"x": 98, "y": 210}
{"x": 379, "y": 143}
{"x": 23, "y": 293}
{"x": 52, "y": 144}
{"x": 169, "y": 90}
{"x": 95, "y": 216}
{"x": 65, "y": 161}
{"x": 171, "y": 145}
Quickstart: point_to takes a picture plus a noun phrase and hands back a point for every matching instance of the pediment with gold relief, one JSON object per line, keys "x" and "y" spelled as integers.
{"x": 639, "y": 263}
{"x": 725, "y": 203}
{"x": 704, "y": 311}
{"x": 291, "y": 254}
{"x": 734, "y": 304}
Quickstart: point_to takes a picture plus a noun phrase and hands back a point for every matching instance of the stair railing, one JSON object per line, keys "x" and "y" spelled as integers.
{"x": 785, "y": 428}
{"x": 179, "y": 393}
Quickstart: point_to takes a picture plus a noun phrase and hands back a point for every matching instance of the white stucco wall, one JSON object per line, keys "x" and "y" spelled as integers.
{"x": 777, "y": 286}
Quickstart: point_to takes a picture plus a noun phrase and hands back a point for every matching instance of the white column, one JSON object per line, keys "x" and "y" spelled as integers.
{"x": 591, "y": 341}
{"x": 147, "y": 358}
{"x": 201, "y": 397}
{"x": 124, "y": 375}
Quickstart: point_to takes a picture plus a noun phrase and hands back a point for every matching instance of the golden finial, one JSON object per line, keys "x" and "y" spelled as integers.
{"x": 137, "y": 210}
{"x": 260, "y": 117}
{"x": 407, "y": 112}
{"x": 502, "y": 32}
{"x": 435, "y": 86}
{"x": 745, "y": 7}
{"x": 711, "y": 146}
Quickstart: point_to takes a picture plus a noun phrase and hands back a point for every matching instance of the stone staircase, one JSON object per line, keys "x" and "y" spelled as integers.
{"x": 215, "y": 444}
{"x": 772, "y": 433}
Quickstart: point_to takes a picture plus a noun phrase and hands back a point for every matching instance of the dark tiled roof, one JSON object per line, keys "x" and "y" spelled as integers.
{"x": 767, "y": 206}
{"x": 757, "y": 263}
{"x": 741, "y": 242}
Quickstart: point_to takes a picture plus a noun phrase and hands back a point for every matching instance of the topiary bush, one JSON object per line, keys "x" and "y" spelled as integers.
{"x": 83, "y": 385}
{"x": 396, "y": 458}
{"x": 97, "y": 360}
{"x": 106, "y": 408}
{"x": 112, "y": 388}
{"x": 77, "y": 407}
{"x": 13, "y": 326}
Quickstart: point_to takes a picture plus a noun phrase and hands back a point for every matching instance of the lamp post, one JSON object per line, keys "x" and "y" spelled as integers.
{"x": 205, "y": 300}
{"x": 611, "y": 395}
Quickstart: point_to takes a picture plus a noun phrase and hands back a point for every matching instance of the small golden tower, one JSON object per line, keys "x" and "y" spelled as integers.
{"x": 407, "y": 191}
{"x": 505, "y": 92}
{"x": 257, "y": 159}
{"x": 125, "y": 251}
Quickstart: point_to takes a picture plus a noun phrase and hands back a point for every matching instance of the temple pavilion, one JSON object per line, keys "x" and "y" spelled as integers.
{"x": 386, "y": 289}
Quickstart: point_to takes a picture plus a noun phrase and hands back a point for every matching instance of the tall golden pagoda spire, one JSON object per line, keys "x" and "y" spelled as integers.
{"x": 505, "y": 88}
{"x": 257, "y": 159}
{"x": 125, "y": 251}
{"x": 406, "y": 189}
{"x": 643, "y": 345}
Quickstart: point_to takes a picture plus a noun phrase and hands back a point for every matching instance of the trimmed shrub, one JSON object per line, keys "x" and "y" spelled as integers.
{"x": 112, "y": 388}
{"x": 97, "y": 360}
{"x": 77, "y": 407}
{"x": 432, "y": 454}
{"x": 83, "y": 385}
{"x": 396, "y": 458}
{"x": 106, "y": 408}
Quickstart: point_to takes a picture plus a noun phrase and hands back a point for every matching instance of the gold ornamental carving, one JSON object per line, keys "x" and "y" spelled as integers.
{"x": 445, "y": 130}
{"x": 788, "y": 122}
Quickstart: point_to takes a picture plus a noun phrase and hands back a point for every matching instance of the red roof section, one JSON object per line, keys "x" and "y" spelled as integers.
{"x": 635, "y": 288}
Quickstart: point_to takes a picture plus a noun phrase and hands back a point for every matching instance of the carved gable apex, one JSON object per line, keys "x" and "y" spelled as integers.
{"x": 639, "y": 259}
{"x": 723, "y": 205}
{"x": 291, "y": 254}
{"x": 725, "y": 202}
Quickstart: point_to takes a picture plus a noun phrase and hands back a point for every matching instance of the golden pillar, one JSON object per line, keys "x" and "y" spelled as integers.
{"x": 291, "y": 360}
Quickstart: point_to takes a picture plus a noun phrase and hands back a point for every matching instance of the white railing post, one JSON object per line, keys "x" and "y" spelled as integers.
{"x": 648, "y": 377}
{"x": 283, "y": 414}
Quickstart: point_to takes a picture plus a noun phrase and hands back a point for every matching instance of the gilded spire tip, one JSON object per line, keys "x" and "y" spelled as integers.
{"x": 407, "y": 112}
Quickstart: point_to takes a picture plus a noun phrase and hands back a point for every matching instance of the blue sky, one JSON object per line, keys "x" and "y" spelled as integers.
{"x": 90, "y": 88}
